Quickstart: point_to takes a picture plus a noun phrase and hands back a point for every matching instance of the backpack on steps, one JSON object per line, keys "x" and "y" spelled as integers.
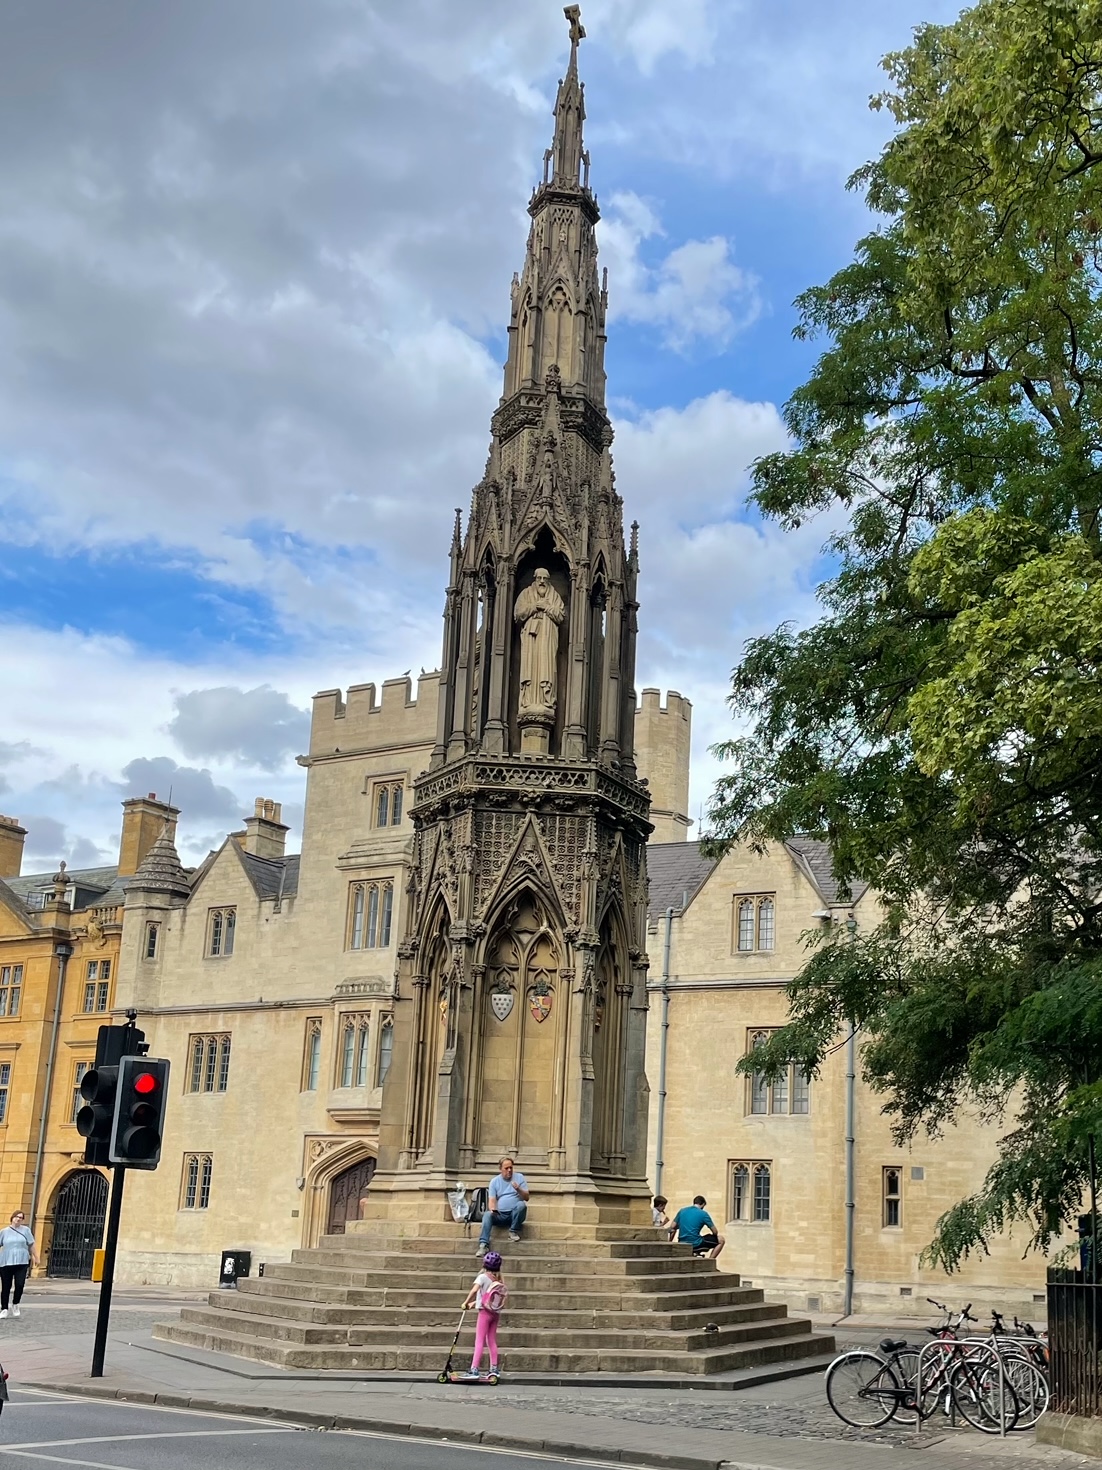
{"x": 480, "y": 1203}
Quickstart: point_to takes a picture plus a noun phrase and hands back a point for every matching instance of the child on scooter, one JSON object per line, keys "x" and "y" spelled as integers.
{"x": 488, "y": 1292}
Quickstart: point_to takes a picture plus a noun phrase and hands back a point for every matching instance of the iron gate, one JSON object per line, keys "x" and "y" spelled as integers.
{"x": 79, "y": 1215}
{"x": 345, "y": 1192}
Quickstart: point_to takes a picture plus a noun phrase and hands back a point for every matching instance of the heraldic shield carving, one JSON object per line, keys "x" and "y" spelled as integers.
{"x": 539, "y": 1002}
{"x": 501, "y": 1003}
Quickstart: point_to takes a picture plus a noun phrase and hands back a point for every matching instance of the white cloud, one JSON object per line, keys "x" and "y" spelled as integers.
{"x": 255, "y": 727}
{"x": 695, "y": 293}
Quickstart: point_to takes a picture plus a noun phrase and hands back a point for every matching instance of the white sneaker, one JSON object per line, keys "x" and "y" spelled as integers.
{"x": 513, "y": 1235}
{"x": 15, "y": 1312}
{"x": 480, "y": 1249}
{"x": 4, "y": 1313}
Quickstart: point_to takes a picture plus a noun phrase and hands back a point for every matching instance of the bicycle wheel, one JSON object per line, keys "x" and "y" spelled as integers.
{"x": 1030, "y": 1389}
{"x": 862, "y": 1390}
{"x": 978, "y": 1398}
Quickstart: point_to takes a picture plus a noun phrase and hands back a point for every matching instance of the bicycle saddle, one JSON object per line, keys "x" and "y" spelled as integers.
{"x": 889, "y": 1344}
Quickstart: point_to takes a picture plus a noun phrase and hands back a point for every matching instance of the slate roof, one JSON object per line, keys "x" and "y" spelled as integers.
{"x": 264, "y": 874}
{"x": 99, "y": 880}
{"x": 814, "y": 857}
{"x": 677, "y": 873}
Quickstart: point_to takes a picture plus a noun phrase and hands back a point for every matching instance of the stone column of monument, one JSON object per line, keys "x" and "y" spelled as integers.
{"x": 521, "y": 992}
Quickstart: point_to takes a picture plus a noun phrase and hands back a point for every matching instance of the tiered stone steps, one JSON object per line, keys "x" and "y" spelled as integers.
{"x": 608, "y": 1299}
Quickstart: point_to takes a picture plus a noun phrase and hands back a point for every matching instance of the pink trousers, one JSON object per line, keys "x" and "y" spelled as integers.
{"x": 485, "y": 1336}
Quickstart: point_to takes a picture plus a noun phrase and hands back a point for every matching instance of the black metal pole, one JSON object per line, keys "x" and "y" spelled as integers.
{"x": 110, "y": 1243}
{"x": 1094, "y": 1211}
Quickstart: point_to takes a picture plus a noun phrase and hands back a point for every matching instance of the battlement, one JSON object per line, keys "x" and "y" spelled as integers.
{"x": 651, "y": 704}
{"x": 357, "y": 721}
{"x": 663, "y": 738}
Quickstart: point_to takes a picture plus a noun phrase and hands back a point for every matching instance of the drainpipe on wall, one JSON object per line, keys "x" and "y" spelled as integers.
{"x": 663, "y": 1039}
{"x": 851, "y": 1145}
{"x": 63, "y": 952}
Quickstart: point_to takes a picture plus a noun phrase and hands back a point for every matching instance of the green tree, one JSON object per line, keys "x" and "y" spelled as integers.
{"x": 940, "y": 725}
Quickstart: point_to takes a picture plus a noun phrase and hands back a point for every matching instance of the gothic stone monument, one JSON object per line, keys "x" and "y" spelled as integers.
{"x": 522, "y": 972}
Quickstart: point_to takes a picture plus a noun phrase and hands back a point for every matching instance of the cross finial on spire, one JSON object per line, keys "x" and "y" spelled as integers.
{"x": 573, "y": 14}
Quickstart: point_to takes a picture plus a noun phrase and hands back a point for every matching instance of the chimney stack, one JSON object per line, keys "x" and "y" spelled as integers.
{"x": 12, "y": 837}
{"x": 144, "y": 818}
{"x": 265, "y": 834}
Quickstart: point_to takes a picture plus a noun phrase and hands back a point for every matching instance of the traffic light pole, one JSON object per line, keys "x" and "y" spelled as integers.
{"x": 109, "y": 1247}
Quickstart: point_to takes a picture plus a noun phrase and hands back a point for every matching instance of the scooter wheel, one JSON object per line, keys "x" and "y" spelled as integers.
{"x": 441, "y": 1378}
{"x": 492, "y": 1378}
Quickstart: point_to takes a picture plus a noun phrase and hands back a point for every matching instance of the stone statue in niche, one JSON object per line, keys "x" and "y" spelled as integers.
{"x": 539, "y": 610}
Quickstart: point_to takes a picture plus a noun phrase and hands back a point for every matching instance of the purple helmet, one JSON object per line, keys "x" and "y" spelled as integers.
{"x": 492, "y": 1261}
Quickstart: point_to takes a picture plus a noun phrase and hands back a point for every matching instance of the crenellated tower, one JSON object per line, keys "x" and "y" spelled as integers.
{"x": 522, "y": 996}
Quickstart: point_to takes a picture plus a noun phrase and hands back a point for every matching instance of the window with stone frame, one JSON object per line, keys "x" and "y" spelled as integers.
{"x": 370, "y": 914}
{"x": 311, "y": 1055}
{"x": 79, "y": 1069}
{"x": 209, "y": 1062}
{"x": 750, "y": 1191}
{"x": 386, "y": 1049}
{"x": 387, "y": 803}
{"x": 354, "y": 1049}
{"x": 97, "y": 986}
{"x": 755, "y": 923}
{"x": 221, "y": 926}
{"x": 152, "y": 938}
{"x": 788, "y": 1094}
{"x": 892, "y": 1194}
{"x": 5, "y": 1090}
{"x": 195, "y": 1181}
{"x": 11, "y": 989}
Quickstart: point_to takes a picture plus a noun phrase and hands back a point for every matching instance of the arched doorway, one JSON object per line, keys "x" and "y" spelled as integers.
{"x": 345, "y": 1190}
{"x": 80, "y": 1210}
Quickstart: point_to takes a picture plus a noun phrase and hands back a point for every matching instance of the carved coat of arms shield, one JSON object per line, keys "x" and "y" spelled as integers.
{"x": 501, "y": 1003}
{"x": 539, "y": 1003}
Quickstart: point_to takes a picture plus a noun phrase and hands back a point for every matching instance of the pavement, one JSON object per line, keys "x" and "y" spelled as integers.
{"x": 742, "y": 1424}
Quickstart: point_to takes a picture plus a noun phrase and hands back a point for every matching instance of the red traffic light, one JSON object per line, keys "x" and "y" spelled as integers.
{"x": 145, "y": 1083}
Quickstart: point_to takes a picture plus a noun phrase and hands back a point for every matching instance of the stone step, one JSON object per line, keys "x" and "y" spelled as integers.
{"x": 458, "y": 1278}
{"x": 537, "y": 1227}
{"x": 614, "y": 1298}
{"x": 535, "y": 1336}
{"x": 225, "y": 1338}
{"x": 526, "y": 1263}
{"x": 444, "y": 1314}
{"x": 526, "y": 1247}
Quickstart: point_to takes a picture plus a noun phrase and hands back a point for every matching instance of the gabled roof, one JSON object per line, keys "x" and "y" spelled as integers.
{"x": 99, "y": 880}
{"x": 813, "y": 857}
{"x": 271, "y": 877}
{"x": 677, "y": 873}
{"x": 14, "y": 901}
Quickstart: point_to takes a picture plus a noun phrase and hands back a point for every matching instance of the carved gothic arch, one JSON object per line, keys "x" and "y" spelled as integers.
{"x": 325, "y": 1159}
{"x": 517, "y": 877}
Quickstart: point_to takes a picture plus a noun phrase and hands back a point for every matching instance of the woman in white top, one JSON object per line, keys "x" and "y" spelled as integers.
{"x": 17, "y": 1252}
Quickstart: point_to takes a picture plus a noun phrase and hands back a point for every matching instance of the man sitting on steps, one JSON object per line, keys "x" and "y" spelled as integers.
{"x": 507, "y": 1204}
{"x": 690, "y": 1225}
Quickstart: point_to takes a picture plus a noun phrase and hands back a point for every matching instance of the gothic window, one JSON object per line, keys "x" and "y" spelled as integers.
{"x": 789, "y": 1093}
{"x": 355, "y": 1034}
{"x": 195, "y": 1184}
{"x": 79, "y": 1070}
{"x": 750, "y": 1198}
{"x": 387, "y": 803}
{"x": 755, "y": 923}
{"x": 311, "y": 1055}
{"x": 209, "y": 1063}
{"x": 893, "y": 1198}
{"x": 386, "y": 1049}
{"x": 11, "y": 989}
{"x": 370, "y": 912}
{"x": 97, "y": 985}
{"x": 221, "y": 924}
{"x": 151, "y": 936}
{"x": 5, "y": 1089}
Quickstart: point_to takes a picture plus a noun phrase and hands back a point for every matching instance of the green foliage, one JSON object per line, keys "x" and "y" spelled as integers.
{"x": 941, "y": 724}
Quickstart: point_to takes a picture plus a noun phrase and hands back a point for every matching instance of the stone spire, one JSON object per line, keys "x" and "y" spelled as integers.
{"x": 161, "y": 870}
{"x": 549, "y": 672}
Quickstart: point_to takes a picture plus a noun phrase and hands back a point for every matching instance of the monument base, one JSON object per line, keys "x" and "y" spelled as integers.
{"x": 558, "y": 1200}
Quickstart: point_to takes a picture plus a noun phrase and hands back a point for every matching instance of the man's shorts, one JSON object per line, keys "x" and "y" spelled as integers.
{"x": 702, "y": 1246}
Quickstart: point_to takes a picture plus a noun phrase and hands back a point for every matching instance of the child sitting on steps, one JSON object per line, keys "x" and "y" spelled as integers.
{"x": 488, "y": 1292}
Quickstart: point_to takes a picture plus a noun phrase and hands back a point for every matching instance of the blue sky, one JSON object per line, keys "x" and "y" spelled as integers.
{"x": 254, "y": 270}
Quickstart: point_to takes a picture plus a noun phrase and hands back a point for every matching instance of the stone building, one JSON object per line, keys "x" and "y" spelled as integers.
{"x": 771, "y": 1159}
{"x": 59, "y": 947}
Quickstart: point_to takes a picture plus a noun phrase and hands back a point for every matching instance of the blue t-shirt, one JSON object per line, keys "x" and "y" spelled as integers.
{"x": 689, "y": 1221}
{"x": 505, "y": 1191}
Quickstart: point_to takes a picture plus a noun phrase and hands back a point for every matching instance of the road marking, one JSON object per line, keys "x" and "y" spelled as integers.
{"x": 50, "y": 1444}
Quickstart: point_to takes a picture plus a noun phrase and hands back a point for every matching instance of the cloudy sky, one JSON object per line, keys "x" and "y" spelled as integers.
{"x": 254, "y": 269}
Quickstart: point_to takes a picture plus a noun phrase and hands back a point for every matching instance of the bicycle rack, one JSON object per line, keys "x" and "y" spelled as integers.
{"x": 974, "y": 1342}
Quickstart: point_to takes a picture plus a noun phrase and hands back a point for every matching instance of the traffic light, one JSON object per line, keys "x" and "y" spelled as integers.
{"x": 141, "y": 1094}
{"x": 96, "y": 1117}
